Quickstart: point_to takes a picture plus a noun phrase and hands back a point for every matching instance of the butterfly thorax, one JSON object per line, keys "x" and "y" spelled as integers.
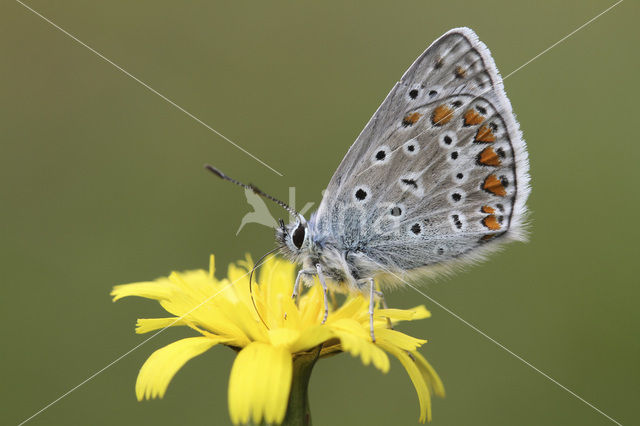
{"x": 344, "y": 266}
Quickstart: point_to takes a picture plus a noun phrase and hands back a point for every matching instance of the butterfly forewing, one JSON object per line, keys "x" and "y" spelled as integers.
{"x": 440, "y": 172}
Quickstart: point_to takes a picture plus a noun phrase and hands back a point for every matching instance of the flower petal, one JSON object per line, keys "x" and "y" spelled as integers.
{"x": 311, "y": 305}
{"x": 242, "y": 317}
{"x": 357, "y": 342}
{"x": 159, "y": 289}
{"x": 351, "y": 308}
{"x": 240, "y": 279}
{"x": 212, "y": 266}
{"x": 429, "y": 374}
{"x": 419, "y": 312}
{"x": 163, "y": 364}
{"x": 259, "y": 384}
{"x": 398, "y": 339}
{"x": 283, "y": 336}
{"x": 145, "y": 325}
{"x": 291, "y": 314}
{"x": 312, "y": 337}
{"x": 276, "y": 277}
{"x": 416, "y": 377}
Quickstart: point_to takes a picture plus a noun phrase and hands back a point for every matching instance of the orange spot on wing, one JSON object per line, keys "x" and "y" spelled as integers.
{"x": 494, "y": 186}
{"x": 488, "y": 157}
{"x": 472, "y": 118}
{"x": 441, "y": 115}
{"x": 485, "y": 135}
{"x": 460, "y": 72}
{"x": 411, "y": 119}
{"x": 487, "y": 209}
{"x": 491, "y": 222}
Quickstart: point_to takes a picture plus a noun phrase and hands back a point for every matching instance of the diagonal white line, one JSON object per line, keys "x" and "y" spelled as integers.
{"x": 517, "y": 69}
{"x": 518, "y": 357}
{"x": 266, "y": 165}
{"x": 151, "y": 88}
{"x": 562, "y": 39}
{"x": 503, "y": 347}
{"x": 473, "y": 327}
{"x": 128, "y": 352}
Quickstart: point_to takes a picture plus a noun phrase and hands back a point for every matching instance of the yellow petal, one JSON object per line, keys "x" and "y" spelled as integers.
{"x": 281, "y": 312}
{"x": 242, "y": 316}
{"x": 419, "y": 312}
{"x": 416, "y": 377}
{"x": 145, "y": 325}
{"x": 276, "y": 284}
{"x": 259, "y": 384}
{"x": 356, "y": 340}
{"x": 210, "y": 305}
{"x": 196, "y": 285}
{"x": 430, "y": 375}
{"x": 277, "y": 276}
{"x": 158, "y": 290}
{"x": 283, "y": 337}
{"x": 351, "y": 308}
{"x": 291, "y": 318}
{"x": 312, "y": 337}
{"x": 212, "y": 266}
{"x": 398, "y": 339}
{"x": 312, "y": 305}
{"x": 240, "y": 279}
{"x": 163, "y": 364}
{"x": 247, "y": 262}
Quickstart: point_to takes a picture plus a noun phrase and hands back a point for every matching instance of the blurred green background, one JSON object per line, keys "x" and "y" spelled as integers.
{"x": 102, "y": 183}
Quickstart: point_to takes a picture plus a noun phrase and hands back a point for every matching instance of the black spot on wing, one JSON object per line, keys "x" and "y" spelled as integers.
{"x": 410, "y": 182}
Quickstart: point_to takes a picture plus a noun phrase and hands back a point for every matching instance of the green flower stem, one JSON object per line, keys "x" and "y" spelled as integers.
{"x": 298, "y": 410}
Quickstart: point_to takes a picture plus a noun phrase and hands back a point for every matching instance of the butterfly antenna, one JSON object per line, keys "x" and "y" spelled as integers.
{"x": 250, "y": 284}
{"x": 282, "y": 204}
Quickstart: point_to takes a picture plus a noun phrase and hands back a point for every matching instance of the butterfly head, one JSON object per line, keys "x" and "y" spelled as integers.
{"x": 293, "y": 238}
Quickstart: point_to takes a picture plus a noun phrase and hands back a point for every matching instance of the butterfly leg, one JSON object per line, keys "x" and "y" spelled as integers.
{"x": 372, "y": 301}
{"x": 382, "y": 299}
{"x": 296, "y": 286}
{"x": 384, "y": 306}
{"x": 324, "y": 289}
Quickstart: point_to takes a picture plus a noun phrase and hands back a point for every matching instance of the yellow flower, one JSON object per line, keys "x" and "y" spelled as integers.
{"x": 222, "y": 312}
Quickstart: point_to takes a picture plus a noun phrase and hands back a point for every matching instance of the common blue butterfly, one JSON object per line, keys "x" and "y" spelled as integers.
{"x": 437, "y": 178}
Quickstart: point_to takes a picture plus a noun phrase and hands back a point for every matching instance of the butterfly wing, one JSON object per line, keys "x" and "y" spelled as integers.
{"x": 440, "y": 172}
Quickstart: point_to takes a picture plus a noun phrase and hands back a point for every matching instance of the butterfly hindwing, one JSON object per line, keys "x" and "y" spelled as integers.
{"x": 440, "y": 172}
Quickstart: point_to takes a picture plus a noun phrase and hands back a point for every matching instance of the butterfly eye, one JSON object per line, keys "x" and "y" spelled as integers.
{"x": 298, "y": 236}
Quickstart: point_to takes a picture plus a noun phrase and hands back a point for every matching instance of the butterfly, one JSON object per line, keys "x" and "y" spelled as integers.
{"x": 439, "y": 177}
